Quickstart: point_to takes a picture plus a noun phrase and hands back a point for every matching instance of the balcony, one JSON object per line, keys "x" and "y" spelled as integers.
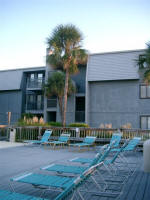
{"x": 34, "y": 106}
{"x": 52, "y": 103}
{"x": 35, "y": 83}
{"x": 80, "y": 116}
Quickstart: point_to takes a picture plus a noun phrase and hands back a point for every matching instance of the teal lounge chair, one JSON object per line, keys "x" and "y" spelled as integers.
{"x": 112, "y": 160}
{"x": 77, "y": 169}
{"x": 70, "y": 187}
{"x": 66, "y": 185}
{"x": 113, "y": 175}
{"x": 87, "y": 142}
{"x": 44, "y": 180}
{"x": 62, "y": 140}
{"x": 73, "y": 189}
{"x": 43, "y": 140}
{"x": 131, "y": 145}
{"x": 115, "y": 137}
{"x": 115, "y": 141}
{"x": 7, "y": 195}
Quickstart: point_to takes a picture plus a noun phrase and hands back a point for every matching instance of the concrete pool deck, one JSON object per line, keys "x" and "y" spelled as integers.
{"x": 5, "y": 144}
{"x": 20, "y": 159}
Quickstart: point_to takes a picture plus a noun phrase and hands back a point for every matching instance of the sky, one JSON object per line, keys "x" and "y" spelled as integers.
{"x": 106, "y": 25}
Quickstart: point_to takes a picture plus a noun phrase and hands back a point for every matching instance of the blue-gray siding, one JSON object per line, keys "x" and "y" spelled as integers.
{"x": 10, "y": 80}
{"x": 116, "y": 103}
{"x": 113, "y": 66}
{"x": 10, "y": 101}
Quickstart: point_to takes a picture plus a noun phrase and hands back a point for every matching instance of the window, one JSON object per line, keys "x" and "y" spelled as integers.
{"x": 142, "y": 59}
{"x": 34, "y": 102}
{"x": 144, "y": 91}
{"x": 52, "y": 102}
{"x": 32, "y": 76}
{"x": 40, "y": 76}
{"x": 80, "y": 109}
{"x": 30, "y": 102}
{"x": 40, "y": 80}
{"x": 80, "y": 103}
{"x": 39, "y": 102}
{"x": 142, "y": 56}
{"x": 145, "y": 122}
{"x": 31, "y": 98}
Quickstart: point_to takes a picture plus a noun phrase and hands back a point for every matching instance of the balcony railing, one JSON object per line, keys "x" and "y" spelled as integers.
{"x": 80, "y": 116}
{"x": 35, "y": 83}
{"x": 34, "y": 106}
{"x": 51, "y": 103}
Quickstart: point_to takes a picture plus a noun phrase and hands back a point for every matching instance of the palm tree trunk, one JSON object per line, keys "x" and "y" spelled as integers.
{"x": 65, "y": 96}
{"x": 60, "y": 102}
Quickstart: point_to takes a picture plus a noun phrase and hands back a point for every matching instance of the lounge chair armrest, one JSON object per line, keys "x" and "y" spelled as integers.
{"x": 73, "y": 159}
{"x": 17, "y": 178}
{"x": 46, "y": 167}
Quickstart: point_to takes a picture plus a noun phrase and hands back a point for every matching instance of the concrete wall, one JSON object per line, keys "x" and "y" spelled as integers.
{"x": 10, "y": 101}
{"x": 115, "y": 102}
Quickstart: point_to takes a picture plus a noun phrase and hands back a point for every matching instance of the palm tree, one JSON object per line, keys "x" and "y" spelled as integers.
{"x": 55, "y": 86}
{"x": 65, "y": 52}
{"x": 144, "y": 62}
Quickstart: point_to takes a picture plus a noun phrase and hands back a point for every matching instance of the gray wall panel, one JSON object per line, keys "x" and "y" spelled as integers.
{"x": 10, "y": 80}
{"x": 116, "y": 119}
{"x": 115, "y": 102}
{"x": 113, "y": 66}
{"x": 10, "y": 101}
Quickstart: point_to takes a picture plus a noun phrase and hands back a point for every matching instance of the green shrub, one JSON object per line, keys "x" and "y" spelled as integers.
{"x": 57, "y": 124}
{"x": 79, "y": 125}
{"x": 22, "y": 123}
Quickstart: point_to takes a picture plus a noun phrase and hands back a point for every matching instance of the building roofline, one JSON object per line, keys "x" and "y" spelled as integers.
{"x": 22, "y": 69}
{"x": 115, "y": 52}
{"x": 112, "y": 80}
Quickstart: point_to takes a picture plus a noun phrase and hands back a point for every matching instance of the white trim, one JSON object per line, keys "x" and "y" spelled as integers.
{"x": 73, "y": 159}
{"x": 48, "y": 166}
{"x": 21, "y": 177}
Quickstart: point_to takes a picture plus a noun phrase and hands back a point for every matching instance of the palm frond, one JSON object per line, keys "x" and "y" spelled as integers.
{"x": 65, "y": 46}
{"x": 55, "y": 85}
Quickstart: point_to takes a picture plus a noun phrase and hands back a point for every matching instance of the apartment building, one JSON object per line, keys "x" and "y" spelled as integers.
{"x": 110, "y": 90}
